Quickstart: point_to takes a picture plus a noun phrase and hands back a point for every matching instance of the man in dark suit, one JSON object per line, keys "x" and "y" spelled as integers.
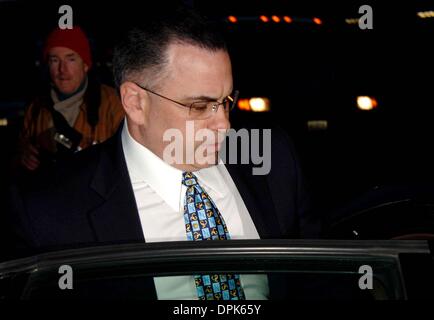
{"x": 173, "y": 75}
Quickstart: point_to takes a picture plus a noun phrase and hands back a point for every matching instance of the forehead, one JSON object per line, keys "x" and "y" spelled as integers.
{"x": 196, "y": 71}
{"x": 61, "y": 52}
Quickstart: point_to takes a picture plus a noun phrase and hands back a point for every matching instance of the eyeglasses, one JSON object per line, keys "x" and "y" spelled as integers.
{"x": 201, "y": 110}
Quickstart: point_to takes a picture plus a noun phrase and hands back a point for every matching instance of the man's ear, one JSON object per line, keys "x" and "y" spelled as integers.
{"x": 135, "y": 102}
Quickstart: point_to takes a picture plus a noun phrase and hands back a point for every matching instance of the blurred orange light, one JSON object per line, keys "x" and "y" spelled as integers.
{"x": 243, "y": 104}
{"x": 233, "y": 19}
{"x": 275, "y": 19}
{"x": 287, "y": 19}
{"x": 317, "y": 21}
{"x": 255, "y": 104}
{"x": 264, "y": 18}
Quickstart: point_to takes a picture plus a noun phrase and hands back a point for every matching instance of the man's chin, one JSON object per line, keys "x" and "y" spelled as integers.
{"x": 65, "y": 89}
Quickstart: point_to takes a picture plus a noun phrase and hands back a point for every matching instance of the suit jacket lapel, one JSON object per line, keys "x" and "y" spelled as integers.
{"x": 115, "y": 218}
{"x": 255, "y": 193}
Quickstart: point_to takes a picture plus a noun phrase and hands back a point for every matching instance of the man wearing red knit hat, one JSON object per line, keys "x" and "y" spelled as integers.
{"x": 75, "y": 112}
{"x": 73, "y": 45}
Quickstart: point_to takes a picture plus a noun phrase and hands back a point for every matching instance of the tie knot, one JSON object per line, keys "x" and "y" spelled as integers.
{"x": 188, "y": 179}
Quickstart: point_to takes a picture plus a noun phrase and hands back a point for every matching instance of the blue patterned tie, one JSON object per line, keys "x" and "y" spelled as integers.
{"x": 203, "y": 221}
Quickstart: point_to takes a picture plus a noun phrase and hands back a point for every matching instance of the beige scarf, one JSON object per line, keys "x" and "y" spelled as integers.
{"x": 69, "y": 108}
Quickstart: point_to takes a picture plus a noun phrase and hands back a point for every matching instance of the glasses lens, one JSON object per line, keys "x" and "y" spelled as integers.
{"x": 200, "y": 110}
{"x": 205, "y": 109}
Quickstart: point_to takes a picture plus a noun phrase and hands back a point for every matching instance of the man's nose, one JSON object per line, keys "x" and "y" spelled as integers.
{"x": 219, "y": 120}
{"x": 62, "y": 66}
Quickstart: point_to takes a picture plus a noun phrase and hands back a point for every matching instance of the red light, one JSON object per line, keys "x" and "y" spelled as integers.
{"x": 317, "y": 21}
{"x": 243, "y": 104}
{"x": 275, "y": 19}
{"x": 233, "y": 19}
{"x": 264, "y": 18}
{"x": 287, "y": 19}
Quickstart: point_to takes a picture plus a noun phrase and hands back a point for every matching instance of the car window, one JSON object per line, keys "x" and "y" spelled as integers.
{"x": 277, "y": 271}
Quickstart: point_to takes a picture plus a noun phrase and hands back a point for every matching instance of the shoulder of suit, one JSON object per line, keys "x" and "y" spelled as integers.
{"x": 68, "y": 174}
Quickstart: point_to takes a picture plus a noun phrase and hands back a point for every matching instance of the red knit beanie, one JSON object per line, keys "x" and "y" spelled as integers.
{"x": 74, "y": 39}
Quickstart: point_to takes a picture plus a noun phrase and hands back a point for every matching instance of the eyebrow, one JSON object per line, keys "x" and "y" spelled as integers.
{"x": 201, "y": 98}
{"x": 205, "y": 98}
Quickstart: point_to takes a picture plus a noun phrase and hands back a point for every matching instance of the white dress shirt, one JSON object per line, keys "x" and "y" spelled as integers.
{"x": 159, "y": 195}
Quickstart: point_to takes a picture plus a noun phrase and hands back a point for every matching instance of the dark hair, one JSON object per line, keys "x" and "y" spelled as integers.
{"x": 145, "y": 46}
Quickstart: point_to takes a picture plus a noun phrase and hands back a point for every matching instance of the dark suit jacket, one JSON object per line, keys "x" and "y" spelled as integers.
{"x": 89, "y": 199}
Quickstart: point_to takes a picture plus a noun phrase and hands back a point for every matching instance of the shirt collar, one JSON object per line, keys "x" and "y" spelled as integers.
{"x": 145, "y": 166}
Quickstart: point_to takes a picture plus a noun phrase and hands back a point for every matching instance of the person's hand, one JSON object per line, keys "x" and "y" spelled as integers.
{"x": 30, "y": 157}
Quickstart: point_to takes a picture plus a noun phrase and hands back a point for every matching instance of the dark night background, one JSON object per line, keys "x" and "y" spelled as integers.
{"x": 308, "y": 71}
